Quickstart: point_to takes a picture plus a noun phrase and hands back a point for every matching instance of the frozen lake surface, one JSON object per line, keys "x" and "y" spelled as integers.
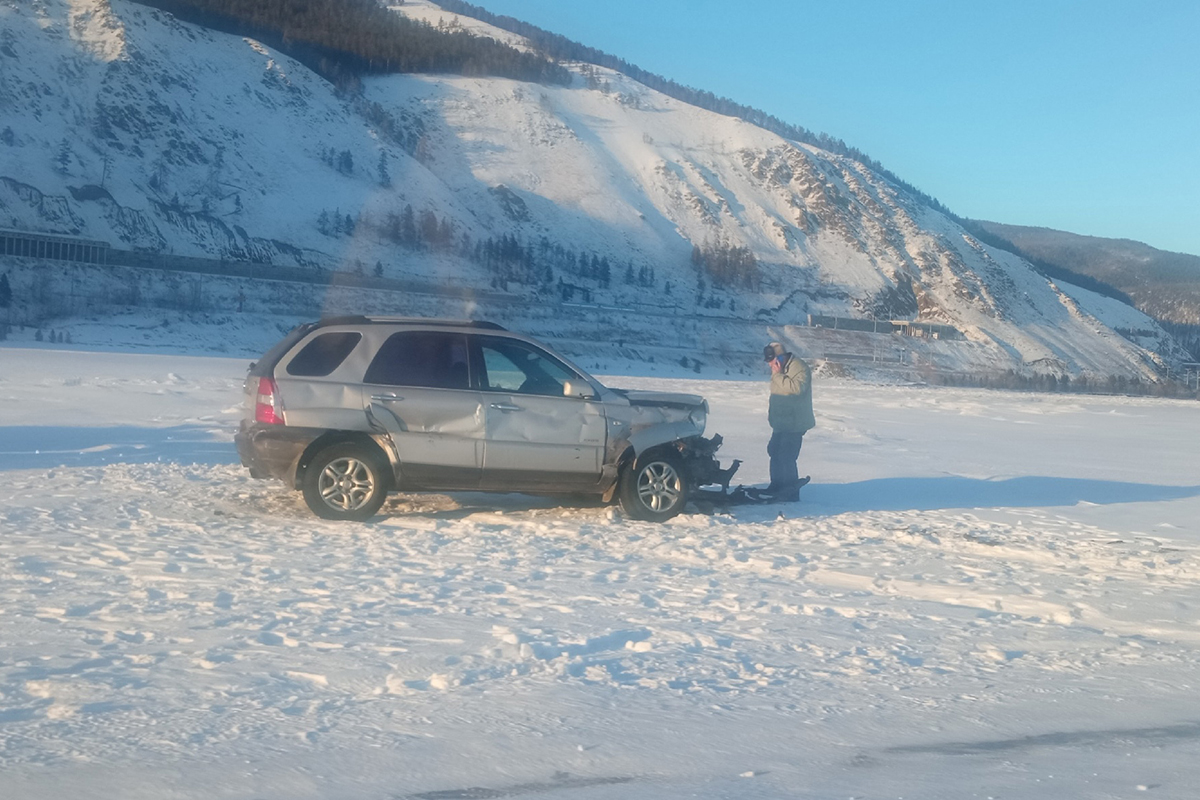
{"x": 981, "y": 594}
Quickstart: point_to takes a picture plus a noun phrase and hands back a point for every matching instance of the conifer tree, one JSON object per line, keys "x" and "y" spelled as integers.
{"x": 408, "y": 226}
{"x": 428, "y": 227}
{"x": 62, "y": 162}
{"x": 385, "y": 178}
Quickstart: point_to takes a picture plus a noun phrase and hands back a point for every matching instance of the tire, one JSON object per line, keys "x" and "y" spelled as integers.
{"x": 654, "y": 487}
{"x": 345, "y": 482}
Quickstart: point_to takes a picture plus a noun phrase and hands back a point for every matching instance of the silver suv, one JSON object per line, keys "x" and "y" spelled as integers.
{"x": 349, "y": 408}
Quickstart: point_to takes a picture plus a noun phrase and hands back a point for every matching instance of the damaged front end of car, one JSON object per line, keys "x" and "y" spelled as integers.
{"x": 656, "y": 421}
{"x": 699, "y": 456}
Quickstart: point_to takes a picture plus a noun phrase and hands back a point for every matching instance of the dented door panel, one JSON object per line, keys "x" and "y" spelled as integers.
{"x": 547, "y": 443}
{"x": 322, "y": 404}
{"x": 438, "y": 433}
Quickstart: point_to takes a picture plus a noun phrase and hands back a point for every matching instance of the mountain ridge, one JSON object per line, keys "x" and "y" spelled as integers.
{"x": 602, "y": 190}
{"x": 1162, "y": 283}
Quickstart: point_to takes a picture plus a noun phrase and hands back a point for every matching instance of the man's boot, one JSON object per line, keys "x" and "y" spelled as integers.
{"x": 789, "y": 493}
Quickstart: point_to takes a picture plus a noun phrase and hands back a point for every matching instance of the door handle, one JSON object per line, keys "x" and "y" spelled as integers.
{"x": 506, "y": 407}
{"x": 386, "y": 397}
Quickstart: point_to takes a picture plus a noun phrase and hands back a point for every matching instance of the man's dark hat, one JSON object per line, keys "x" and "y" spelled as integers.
{"x": 772, "y": 350}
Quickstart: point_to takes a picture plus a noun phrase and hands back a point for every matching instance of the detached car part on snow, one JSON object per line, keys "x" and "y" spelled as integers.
{"x": 349, "y": 408}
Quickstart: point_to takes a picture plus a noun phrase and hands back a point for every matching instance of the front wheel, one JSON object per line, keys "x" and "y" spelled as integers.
{"x": 654, "y": 487}
{"x": 345, "y": 482}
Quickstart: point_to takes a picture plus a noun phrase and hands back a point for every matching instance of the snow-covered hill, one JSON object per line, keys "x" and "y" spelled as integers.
{"x": 124, "y": 125}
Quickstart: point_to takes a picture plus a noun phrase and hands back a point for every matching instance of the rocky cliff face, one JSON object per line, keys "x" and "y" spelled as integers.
{"x": 124, "y": 125}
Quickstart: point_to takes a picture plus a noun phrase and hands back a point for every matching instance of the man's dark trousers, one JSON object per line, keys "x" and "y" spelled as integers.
{"x": 784, "y": 450}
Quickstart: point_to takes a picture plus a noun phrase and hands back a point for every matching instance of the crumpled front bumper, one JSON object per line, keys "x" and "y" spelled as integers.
{"x": 700, "y": 460}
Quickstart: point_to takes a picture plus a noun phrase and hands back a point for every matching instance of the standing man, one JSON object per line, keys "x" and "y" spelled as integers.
{"x": 791, "y": 415}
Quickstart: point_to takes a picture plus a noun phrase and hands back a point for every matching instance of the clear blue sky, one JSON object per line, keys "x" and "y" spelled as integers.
{"x": 1082, "y": 116}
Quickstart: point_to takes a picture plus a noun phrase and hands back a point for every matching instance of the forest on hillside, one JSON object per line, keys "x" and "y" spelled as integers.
{"x": 344, "y": 39}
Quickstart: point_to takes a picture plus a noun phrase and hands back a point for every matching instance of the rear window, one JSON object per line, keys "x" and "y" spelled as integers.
{"x": 323, "y": 354}
{"x": 430, "y": 359}
{"x": 266, "y": 365}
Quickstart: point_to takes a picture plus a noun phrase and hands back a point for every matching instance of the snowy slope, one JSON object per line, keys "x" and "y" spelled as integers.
{"x": 981, "y": 594}
{"x": 208, "y": 144}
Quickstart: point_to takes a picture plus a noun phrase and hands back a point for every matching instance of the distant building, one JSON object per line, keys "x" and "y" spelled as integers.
{"x": 927, "y": 330}
{"x": 920, "y": 330}
{"x": 26, "y": 244}
{"x": 849, "y": 324}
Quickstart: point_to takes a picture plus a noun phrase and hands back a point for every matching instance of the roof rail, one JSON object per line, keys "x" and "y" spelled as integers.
{"x": 359, "y": 319}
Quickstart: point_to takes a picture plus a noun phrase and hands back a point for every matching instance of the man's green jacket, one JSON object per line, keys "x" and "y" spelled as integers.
{"x": 791, "y": 409}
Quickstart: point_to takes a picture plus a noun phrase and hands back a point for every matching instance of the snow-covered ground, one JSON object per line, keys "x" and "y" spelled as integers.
{"x": 981, "y": 594}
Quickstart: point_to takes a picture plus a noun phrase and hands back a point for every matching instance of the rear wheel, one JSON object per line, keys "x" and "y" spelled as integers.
{"x": 345, "y": 482}
{"x": 654, "y": 487}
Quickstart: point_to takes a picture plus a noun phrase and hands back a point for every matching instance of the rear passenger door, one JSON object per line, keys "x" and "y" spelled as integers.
{"x": 418, "y": 387}
{"x": 537, "y": 439}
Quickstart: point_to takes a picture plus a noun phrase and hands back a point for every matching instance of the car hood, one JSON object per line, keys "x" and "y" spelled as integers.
{"x": 663, "y": 399}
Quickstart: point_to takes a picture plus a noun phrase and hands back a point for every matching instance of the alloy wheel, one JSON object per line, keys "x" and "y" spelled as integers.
{"x": 659, "y": 486}
{"x": 346, "y": 484}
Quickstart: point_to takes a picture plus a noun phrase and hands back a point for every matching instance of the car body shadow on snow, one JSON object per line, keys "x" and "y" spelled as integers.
{"x": 882, "y": 494}
{"x": 950, "y": 492}
{"x": 46, "y": 447}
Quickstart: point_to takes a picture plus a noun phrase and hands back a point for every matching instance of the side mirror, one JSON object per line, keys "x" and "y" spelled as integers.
{"x": 579, "y": 389}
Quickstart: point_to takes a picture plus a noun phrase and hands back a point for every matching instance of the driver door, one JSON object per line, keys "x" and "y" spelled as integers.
{"x": 537, "y": 439}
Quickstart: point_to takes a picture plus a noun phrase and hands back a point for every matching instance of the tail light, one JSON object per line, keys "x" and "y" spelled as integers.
{"x": 267, "y": 408}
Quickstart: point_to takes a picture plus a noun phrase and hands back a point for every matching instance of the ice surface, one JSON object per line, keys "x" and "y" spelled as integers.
{"x": 980, "y": 594}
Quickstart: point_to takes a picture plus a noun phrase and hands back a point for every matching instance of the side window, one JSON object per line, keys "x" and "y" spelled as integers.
{"x": 502, "y": 375}
{"x": 323, "y": 354}
{"x": 512, "y": 366}
{"x": 430, "y": 359}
